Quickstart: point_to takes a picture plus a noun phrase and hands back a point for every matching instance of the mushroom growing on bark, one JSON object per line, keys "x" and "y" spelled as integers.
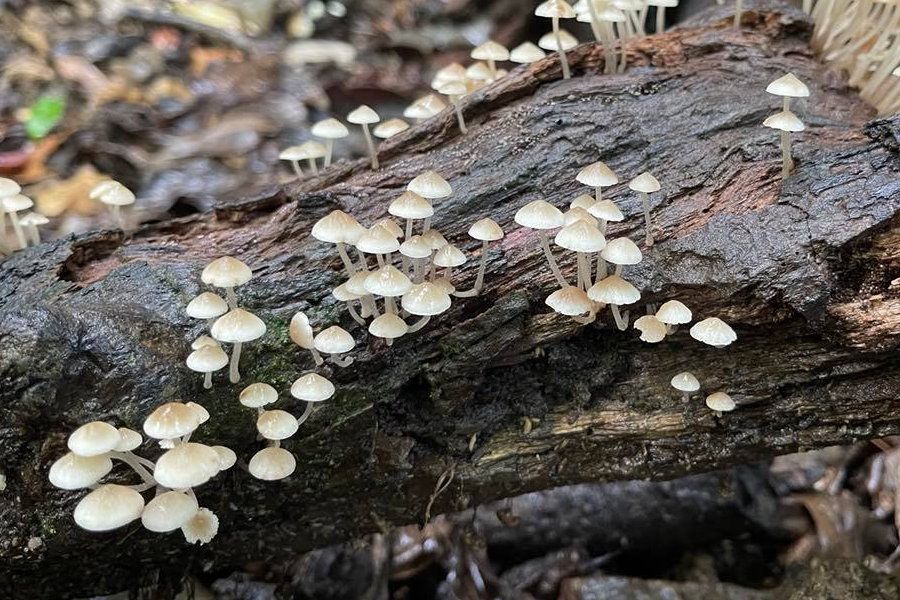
{"x": 424, "y": 108}
{"x": 431, "y": 186}
{"x": 272, "y": 463}
{"x": 455, "y": 90}
{"x": 309, "y": 151}
{"x": 556, "y": 10}
{"x": 311, "y": 388}
{"x": 542, "y": 216}
{"x": 685, "y": 383}
{"x": 30, "y": 222}
{"x": 340, "y": 229}
{"x": 584, "y": 239}
{"x": 645, "y": 184}
{"x": 720, "y": 402}
{"x": 227, "y": 273}
{"x": 207, "y": 360}
{"x": 390, "y": 128}
{"x": 335, "y": 341}
{"x": 365, "y": 116}
{"x": 598, "y": 176}
{"x": 615, "y": 292}
{"x": 673, "y": 313}
{"x": 8, "y": 188}
{"x": 301, "y": 333}
{"x": 786, "y": 122}
{"x": 425, "y": 300}
{"x": 572, "y": 301}
{"x": 11, "y": 206}
{"x": 329, "y": 130}
{"x": 526, "y": 53}
{"x": 237, "y": 327}
{"x": 115, "y": 196}
{"x": 257, "y": 395}
{"x": 485, "y": 231}
{"x": 206, "y": 305}
{"x": 713, "y": 331}
{"x": 492, "y": 52}
{"x": 788, "y": 86}
{"x": 652, "y": 329}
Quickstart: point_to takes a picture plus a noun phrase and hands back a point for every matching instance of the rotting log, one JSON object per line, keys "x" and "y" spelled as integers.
{"x": 93, "y": 327}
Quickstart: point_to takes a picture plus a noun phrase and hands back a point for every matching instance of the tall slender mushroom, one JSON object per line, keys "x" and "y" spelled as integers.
{"x": 389, "y": 282}
{"x": 329, "y": 130}
{"x": 226, "y": 272}
{"x": 365, "y": 116}
{"x": 8, "y": 188}
{"x": 598, "y": 176}
{"x": 207, "y": 360}
{"x": 645, "y": 184}
{"x": 556, "y": 10}
{"x": 309, "y": 151}
{"x": 340, "y": 229}
{"x": 455, "y": 90}
{"x": 621, "y": 252}
{"x": 115, "y": 196}
{"x": 788, "y": 86}
{"x": 412, "y": 207}
{"x": 661, "y": 6}
{"x": 379, "y": 241}
{"x": 786, "y": 122}
{"x": 686, "y": 383}
{"x": 542, "y": 216}
{"x": 492, "y": 52}
{"x": 311, "y": 388}
{"x": 301, "y": 333}
{"x": 431, "y": 186}
{"x": 615, "y": 292}
{"x": 11, "y": 206}
{"x": 447, "y": 74}
{"x": 294, "y": 154}
{"x": 606, "y": 212}
{"x": 584, "y": 239}
{"x": 418, "y": 250}
{"x": 237, "y": 327}
{"x": 30, "y": 222}
{"x": 526, "y": 53}
{"x": 485, "y": 231}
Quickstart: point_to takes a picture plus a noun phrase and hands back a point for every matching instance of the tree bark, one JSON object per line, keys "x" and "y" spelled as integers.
{"x": 93, "y": 327}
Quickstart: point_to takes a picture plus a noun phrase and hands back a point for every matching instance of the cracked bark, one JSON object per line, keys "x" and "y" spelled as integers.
{"x": 93, "y": 327}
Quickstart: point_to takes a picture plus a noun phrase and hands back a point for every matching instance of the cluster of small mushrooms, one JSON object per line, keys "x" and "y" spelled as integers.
{"x": 25, "y": 227}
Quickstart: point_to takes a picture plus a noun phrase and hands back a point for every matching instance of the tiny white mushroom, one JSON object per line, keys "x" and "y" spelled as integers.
{"x": 720, "y": 402}
{"x": 365, "y": 116}
{"x": 686, "y": 383}
{"x": 207, "y": 360}
{"x": 335, "y": 341}
{"x": 556, "y": 10}
{"x": 645, "y": 184}
{"x": 713, "y": 331}
{"x": 237, "y": 327}
{"x": 652, "y": 329}
{"x": 226, "y": 272}
{"x": 329, "y": 130}
{"x": 272, "y": 464}
{"x": 109, "y": 507}
{"x": 201, "y": 528}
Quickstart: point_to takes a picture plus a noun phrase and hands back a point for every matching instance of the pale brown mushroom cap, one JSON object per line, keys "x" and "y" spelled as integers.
{"x": 311, "y": 149}
{"x": 453, "y": 88}
{"x": 579, "y": 214}
{"x": 608, "y": 14}
{"x": 449, "y": 256}
{"x": 207, "y": 359}
{"x": 685, "y": 382}
{"x": 334, "y": 340}
{"x": 597, "y": 175}
{"x": 377, "y": 240}
{"x": 337, "y": 227}
{"x": 293, "y": 153}
{"x": 272, "y": 464}
{"x": 388, "y": 326}
{"x": 109, "y": 507}
{"x": 479, "y": 72}
{"x": 207, "y": 306}
{"x": 720, "y": 402}
{"x": 645, "y": 182}
{"x": 486, "y": 230}
{"x": 614, "y": 290}
{"x": 257, "y": 395}
{"x": 580, "y": 236}
{"x": 93, "y": 439}
{"x": 112, "y": 193}
{"x": 652, "y": 329}
{"x": 490, "y": 50}
{"x": 713, "y": 331}
{"x": 390, "y": 128}
{"x": 555, "y": 8}
{"x": 168, "y": 511}
{"x": 226, "y": 272}
{"x": 444, "y": 284}
{"x": 312, "y": 387}
{"x": 388, "y": 281}
{"x": 674, "y": 312}
{"x": 16, "y": 202}
{"x": 570, "y": 301}
{"x": 622, "y": 251}
{"x": 300, "y": 331}
{"x": 201, "y": 413}
{"x": 425, "y": 107}
{"x": 74, "y": 472}
{"x": 539, "y": 214}
{"x": 363, "y": 115}
{"x": 276, "y": 424}
{"x": 788, "y": 85}
{"x": 526, "y": 53}
{"x": 410, "y": 205}
{"x": 171, "y": 420}
{"x": 238, "y": 326}
{"x": 330, "y": 129}
{"x": 606, "y": 210}
{"x": 784, "y": 121}
{"x": 186, "y": 465}
{"x": 415, "y": 247}
{"x": 430, "y": 185}
{"x": 8, "y": 187}
{"x": 548, "y": 41}
{"x": 227, "y": 457}
{"x": 426, "y": 299}
{"x": 203, "y": 340}
{"x": 452, "y": 72}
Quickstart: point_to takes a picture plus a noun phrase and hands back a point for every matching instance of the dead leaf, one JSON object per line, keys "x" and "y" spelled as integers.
{"x": 54, "y": 198}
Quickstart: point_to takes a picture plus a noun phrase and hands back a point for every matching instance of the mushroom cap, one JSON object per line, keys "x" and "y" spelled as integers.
{"x": 479, "y": 72}
{"x": 171, "y": 420}
{"x": 430, "y": 185}
{"x": 614, "y": 290}
{"x": 186, "y": 465}
{"x": 415, "y": 247}
{"x": 8, "y": 187}
{"x": 583, "y": 201}
{"x": 391, "y": 225}
{"x": 257, "y": 395}
{"x": 607, "y": 14}
{"x": 490, "y": 50}
{"x": 238, "y": 326}
{"x": 685, "y": 382}
{"x": 203, "y": 340}
{"x": 312, "y": 387}
{"x": 674, "y": 312}
{"x": 109, "y": 507}
{"x": 539, "y": 214}
{"x": 606, "y": 210}
{"x": 337, "y": 227}
{"x": 112, "y": 193}
{"x": 652, "y": 329}
{"x": 377, "y": 240}
{"x": 334, "y": 340}
{"x": 388, "y": 281}
{"x": 93, "y": 439}
{"x": 226, "y": 272}
{"x": 388, "y": 326}
{"x": 73, "y": 472}
{"x": 306, "y": 150}
{"x": 573, "y": 215}
{"x": 597, "y": 175}
{"x": 784, "y": 121}
{"x": 342, "y": 294}
{"x": 720, "y": 402}
{"x": 555, "y": 8}
{"x": 357, "y": 283}
{"x": 330, "y": 129}
{"x": 410, "y": 205}
{"x": 201, "y": 413}
{"x": 444, "y": 284}
{"x": 451, "y": 72}
{"x": 434, "y": 239}
{"x": 645, "y": 182}
{"x": 526, "y": 53}
{"x": 426, "y": 299}
{"x": 453, "y": 89}
{"x": 300, "y": 331}
{"x": 168, "y": 511}
{"x": 622, "y": 251}
{"x": 207, "y": 359}
{"x": 570, "y": 301}
{"x": 788, "y": 85}
{"x": 207, "y": 306}
{"x": 202, "y": 527}
{"x": 16, "y": 202}
{"x": 390, "y": 128}
{"x": 227, "y": 457}
{"x": 33, "y": 219}
{"x": 129, "y": 439}
{"x": 425, "y": 107}
{"x": 272, "y": 464}
{"x": 580, "y": 236}
{"x": 293, "y": 153}
{"x": 663, "y": 3}
{"x": 713, "y": 331}
{"x": 449, "y": 256}
{"x": 548, "y": 41}
{"x": 486, "y": 230}
{"x": 363, "y": 115}
{"x": 276, "y": 424}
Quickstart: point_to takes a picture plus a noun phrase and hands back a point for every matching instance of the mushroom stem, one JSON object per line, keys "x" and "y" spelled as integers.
{"x": 231, "y": 298}
{"x": 598, "y": 194}
{"x": 787, "y": 163}
{"x": 34, "y": 235}
{"x": 20, "y": 235}
{"x": 661, "y": 19}
{"x": 306, "y": 413}
{"x": 297, "y": 170}
{"x": 492, "y": 67}
{"x": 116, "y": 211}
{"x": 479, "y": 279}
{"x": 645, "y": 200}
{"x": 584, "y": 271}
{"x": 380, "y": 259}
{"x": 345, "y": 258}
{"x": 233, "y": 374}
{"x": 738, "y": 9}
{"x": 355, "y": 315}
{"x": 207, "y": 380}
{"x": 389, "y": 306}
{"x": 622, "y": 29}
{"x": 592, "y": 316}
{"x": 609, "y": 54}
{"x": 312, "y": 165}
{"x": 685, "y": 397}
{"x": 619, "y": 270}
{"x": 621, "y": 322}
{"x": 595, "y": 22}
{"x": 601, "y": 269}
{"x": 316, "y": 356}
{"x": 559, "y": 48}
{"x": 786, "y": 105}
{"x": 418, "y": 325}
{"x": 329, "y": 149}
{"x": 131, "y": 460}
{"x": 459, "y": 116}
{"x": 553, "y": 266}
{"x": 373, "y": 154}
{"x": 341, "y": 362}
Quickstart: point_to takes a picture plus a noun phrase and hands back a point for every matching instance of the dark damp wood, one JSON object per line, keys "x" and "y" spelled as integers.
{"x": 93, "y": 327}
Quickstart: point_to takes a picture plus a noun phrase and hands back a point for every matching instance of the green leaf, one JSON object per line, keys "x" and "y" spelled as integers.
{"x": 44, "y": 115}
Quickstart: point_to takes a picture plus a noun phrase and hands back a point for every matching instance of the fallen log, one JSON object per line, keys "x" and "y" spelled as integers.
{"x": 93, "y": 327}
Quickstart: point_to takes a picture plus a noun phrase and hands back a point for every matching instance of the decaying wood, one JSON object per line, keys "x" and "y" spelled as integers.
{"x": 93, "y": 327}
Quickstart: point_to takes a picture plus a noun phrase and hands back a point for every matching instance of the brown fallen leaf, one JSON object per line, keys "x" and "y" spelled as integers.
{"x": 54, "y": 198}
{"x": 34, "y": 167}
